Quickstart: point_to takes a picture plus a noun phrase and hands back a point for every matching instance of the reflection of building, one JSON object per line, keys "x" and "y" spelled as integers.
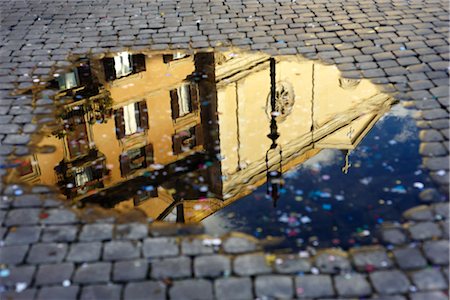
{"x": 183, "y": 136}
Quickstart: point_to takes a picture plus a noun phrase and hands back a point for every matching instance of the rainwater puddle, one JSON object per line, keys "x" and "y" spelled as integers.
{"x": 279, "y": 147}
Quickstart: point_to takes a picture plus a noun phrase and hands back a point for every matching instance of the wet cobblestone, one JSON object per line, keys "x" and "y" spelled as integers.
{"x": 402, "y": 45}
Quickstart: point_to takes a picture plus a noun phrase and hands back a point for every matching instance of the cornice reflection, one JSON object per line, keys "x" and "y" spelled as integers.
{"x": 182, "y": 136}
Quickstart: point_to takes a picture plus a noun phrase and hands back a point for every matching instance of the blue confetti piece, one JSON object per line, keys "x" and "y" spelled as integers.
{"x": 326, "y": 206}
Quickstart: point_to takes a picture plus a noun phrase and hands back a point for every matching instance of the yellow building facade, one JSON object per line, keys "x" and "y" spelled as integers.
{"x": 180, "y": 137}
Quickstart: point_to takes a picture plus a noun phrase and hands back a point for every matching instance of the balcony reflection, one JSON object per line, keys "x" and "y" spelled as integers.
{"x": 181, "y": 137}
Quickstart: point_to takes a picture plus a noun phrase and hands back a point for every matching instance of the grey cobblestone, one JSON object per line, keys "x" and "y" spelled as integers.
{"x": 96, "y": 232}
{"x": 429, "y": 279}
{"x": 370, "y": 257}
{"x": 274, "y": 286}
{"x": 238, "y": 288}
{"x": 22, "y": 235}
{"x": 109, "y": 291}
{"x": 129, "y": 270}
{"x": 19, "y": 274}
{"x": 414, "y": 60}
{"x": 196, "y": 246}
{"x": 332, "y": 261}
{"x": 13, "y": 254}
{"x": 212, "y": 266}
{"x": 119, "y": 250}
{"x": 160, "y": 247}
{"x": 145, "y": 290}
{"x": 409, "y": 258}
{"x": 191, "y": 289}
{"x": 176, "y": 267}
{"x": 251, "y": 264}
{"x": 90, "y": 273}
{"x": 314, "y": 286}
{"x": 419, "y": 213}
{"x": 131, "y": 231}
{"x": 58, "y": 292}
{"x": 352, "y": 285}
{"x": 23, "y": 295}
{"x": 389, "y": 282}
{"x": 59, "y": 233}
{"x": 59, "y": 216}
{"x": 436, "y": 251}
{"x": 23, "y": 216}
{"x": 54, "y": 273}
{"x": 291, "y": 264}
{"x": 47, "y": 253}
{"x": 84, "y": 252}
{"x": 239, "y": 243}
{"x": 424, "y": 231}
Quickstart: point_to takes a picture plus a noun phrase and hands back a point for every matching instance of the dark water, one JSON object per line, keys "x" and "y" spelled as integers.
{"x": 239, "y": 141}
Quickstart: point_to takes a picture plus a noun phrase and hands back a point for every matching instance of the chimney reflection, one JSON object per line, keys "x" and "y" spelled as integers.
{"x": 181, "y": 136}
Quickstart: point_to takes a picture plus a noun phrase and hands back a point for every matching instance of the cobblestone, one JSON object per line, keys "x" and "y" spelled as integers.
{"x": 332, "y": 261}
{"x": 47, "y": 253}
{"x": 424, "y": 231}
{"x": 369, "y": 258}
{"x": 176, "y": 267}
{"x": 19, "y": 274}
{"x": 58, "y": 292}
{"x": 429, "y": 279}
{"x": 131, "y": 231}
{"x": 96, "y": 232}
{"x": 291, "y": 264}
{"x": 22, "y": 235}
{"x": 89, "y": 273}
{"x": 437, "y": 251}
{"x": 130, "y": 270}
{"x": 314, "y": 286}
{"x": 405, "y": 46}
{"x": 84, "y": 252}
{"x": 274, "y": 286}
{"x": 196, "y": 246}
{"x": 145, "y": 290}
{"x": 160, "y": 247}
{"x": 54, "y": 273}
{"x": 389, "y": 282}
{"x": 13, "y": 254}
{"x": 191, "y": 289}
{"x": 435, "y": 295}
{"x": 409, "y": 258}
{"x": 59, "y": 233}
{"x": 110, "y": 292}
{"x": 239, "y": 288}
{"x": 212, "y": 266}
{"x": 239, "y": 243}
{"x": 352, "y": 285}
{"x": 251, "y": 264}
{"x": 119, "y": 250}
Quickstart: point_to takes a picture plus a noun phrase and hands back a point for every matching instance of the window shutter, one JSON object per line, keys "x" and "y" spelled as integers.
{"x": 84, "y": 74}
{"x": 138, "y": 61}
{"x": 167, "y": 58}
{"x": 194, "y": 96}
{"x": 108, "y": 65}
{"x": 174, "y": 104}
{"x": 149, "y": 155}
{"x": 143, "y": 115}
{"x": 124, "y": 164}
{"x": 198, "y": 135}
{"x": 176, "y": 141}
{"x": 120, "y": 123}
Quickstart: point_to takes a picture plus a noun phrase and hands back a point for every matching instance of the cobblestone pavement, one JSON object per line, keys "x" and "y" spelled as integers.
{"x": 52, "y": 252}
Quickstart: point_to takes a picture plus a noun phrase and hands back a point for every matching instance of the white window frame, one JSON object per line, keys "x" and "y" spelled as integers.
{"x": 184, "y": 98}
{"x": 122, "y": 64}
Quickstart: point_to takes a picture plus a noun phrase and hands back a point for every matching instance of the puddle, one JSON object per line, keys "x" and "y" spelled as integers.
{"x": 278, "y": 146}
